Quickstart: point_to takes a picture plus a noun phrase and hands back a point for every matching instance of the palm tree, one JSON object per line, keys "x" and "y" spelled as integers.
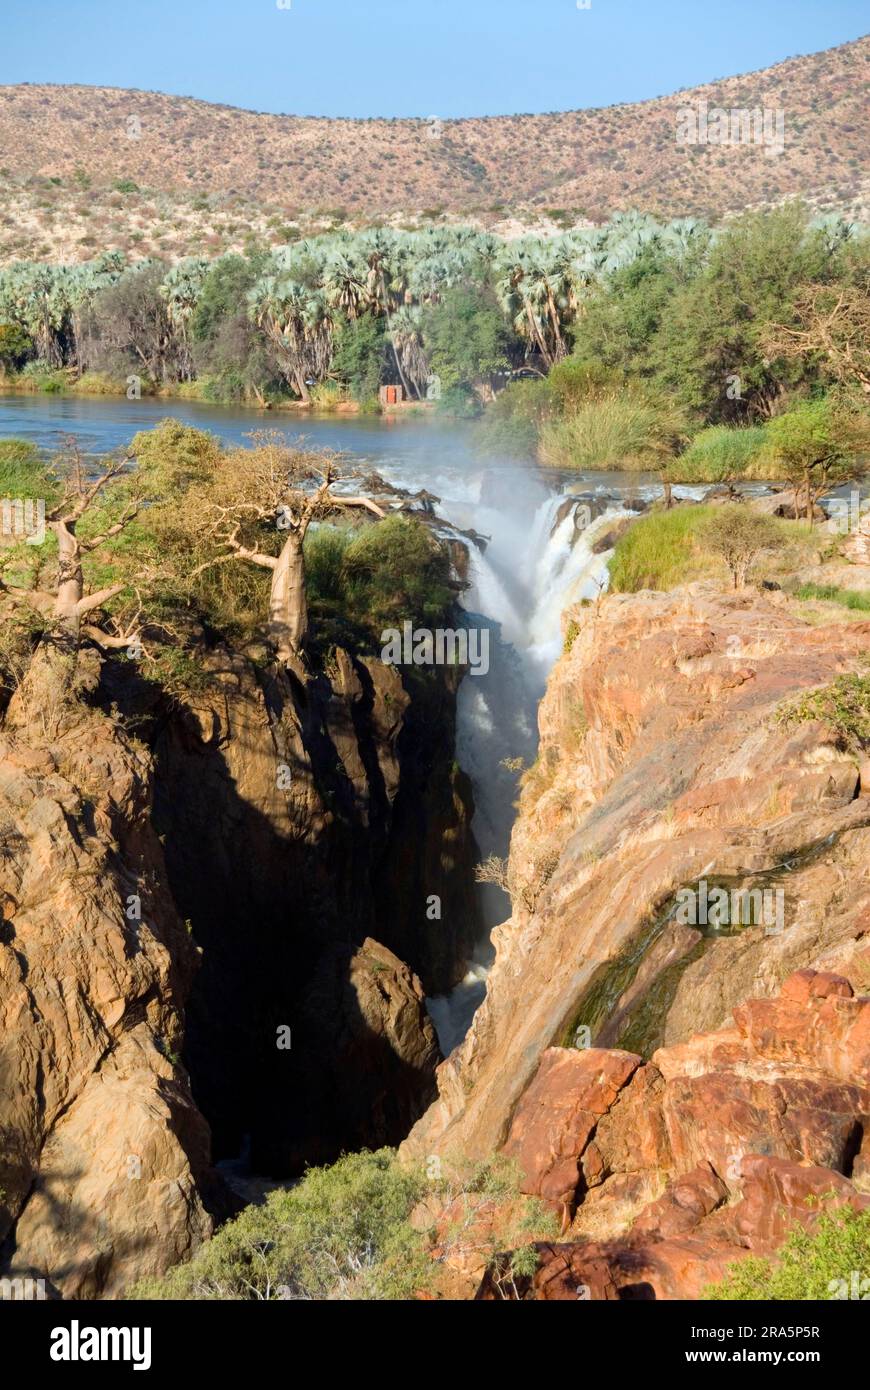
{"x": 181, "y": 290}
{"x": 83, "y": 283}
{"x": 297, "y": 322}
{"x": 35, "y": 297}
{"x": 406, "y": 340}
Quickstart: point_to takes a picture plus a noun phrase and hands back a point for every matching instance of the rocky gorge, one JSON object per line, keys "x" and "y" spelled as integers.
{"x": 217, "y": 943}
{"x": 134, "y": 1007}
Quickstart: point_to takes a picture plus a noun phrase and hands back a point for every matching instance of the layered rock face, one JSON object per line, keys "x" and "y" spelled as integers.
{"x": 664, "y": 773}
{"x": 675, "y": 1168}
{"x": 104, "y": 1158}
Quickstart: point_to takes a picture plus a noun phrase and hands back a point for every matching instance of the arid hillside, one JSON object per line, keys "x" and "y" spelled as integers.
{"x": 582, "y": 164}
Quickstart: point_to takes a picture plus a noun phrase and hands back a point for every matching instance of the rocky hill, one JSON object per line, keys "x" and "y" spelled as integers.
{"x": 61, "y": 145}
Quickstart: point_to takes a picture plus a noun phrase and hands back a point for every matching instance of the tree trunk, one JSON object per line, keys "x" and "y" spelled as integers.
{"x": 288, "y": 607}
{"x": 70, "y": 581}
{"x": 301, "y": 385}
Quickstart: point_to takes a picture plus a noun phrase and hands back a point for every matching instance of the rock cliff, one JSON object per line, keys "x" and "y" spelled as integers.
{"x": 664, "y": 772}
{"x": 197, "y": 931}
{"x": 104, "y": 1160}
{"x": 678, "y": 1167}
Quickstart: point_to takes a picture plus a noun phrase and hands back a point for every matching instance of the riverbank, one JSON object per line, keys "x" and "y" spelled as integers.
{"x": 96, "y": 385}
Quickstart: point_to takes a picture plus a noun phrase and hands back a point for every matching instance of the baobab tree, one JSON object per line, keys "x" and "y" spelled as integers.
{"x": 67, "y": 608}
{"x": 257, "y": 510}
{"x": 68, "y": 605}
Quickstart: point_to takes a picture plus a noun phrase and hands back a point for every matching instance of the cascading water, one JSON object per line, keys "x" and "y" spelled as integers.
{"x": 532, "y": 567}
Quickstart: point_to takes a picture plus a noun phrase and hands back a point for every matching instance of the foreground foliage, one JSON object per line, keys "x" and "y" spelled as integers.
{"x": 830, "y": 1262}
{"x": 353, "y": 1230}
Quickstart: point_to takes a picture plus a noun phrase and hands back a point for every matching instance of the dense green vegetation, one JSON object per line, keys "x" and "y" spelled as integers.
{"x": 346, "y": 1232}
{"x": 829, "y": 1262}
{"x": 701, "y": 318}
{"x": 718, "y": 357}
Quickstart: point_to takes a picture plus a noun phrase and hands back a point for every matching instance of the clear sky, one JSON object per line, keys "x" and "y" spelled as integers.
{"x": 412, "y": 57}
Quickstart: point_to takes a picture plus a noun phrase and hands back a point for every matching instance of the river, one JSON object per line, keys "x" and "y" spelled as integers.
{"x": 531, "y": 568}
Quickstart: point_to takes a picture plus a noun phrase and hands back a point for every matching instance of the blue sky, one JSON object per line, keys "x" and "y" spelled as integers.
{"x": 412, "y": 57}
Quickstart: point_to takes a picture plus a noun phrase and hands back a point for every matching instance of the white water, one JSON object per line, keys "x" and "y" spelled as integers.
{"x": 529, "y": 572}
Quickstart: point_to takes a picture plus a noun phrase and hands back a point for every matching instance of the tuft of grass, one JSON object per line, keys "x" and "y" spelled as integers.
{"x": 831, "y": 593}
{"x": 721, "y": 455}
{"x": 625, "y": 430}
{"x": 661, "y": 550}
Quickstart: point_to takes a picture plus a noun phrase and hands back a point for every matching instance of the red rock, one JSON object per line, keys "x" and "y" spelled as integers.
{"x": 777, "y": 1195}
{"x": 558, "y": 1113}
{"x": 806, "y": 985}
{"x": 684, "y": 1205}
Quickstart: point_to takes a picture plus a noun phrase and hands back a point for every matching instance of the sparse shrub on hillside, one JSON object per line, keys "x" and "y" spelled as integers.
{"x": 816, "y": 445}
{"x": 844, "y": 704}
{"x": 358, "y": 1230}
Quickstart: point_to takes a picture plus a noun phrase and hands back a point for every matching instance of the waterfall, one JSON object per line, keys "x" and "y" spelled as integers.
{"x": 531, "y": 569}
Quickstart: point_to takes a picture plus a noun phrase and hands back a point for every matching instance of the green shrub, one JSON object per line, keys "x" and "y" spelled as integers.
{"x": 325, "y": 549}
{"x": 738, "y": 536}
{"x": 831, "y": 1262}
{"x": 174, "y": 455}
{"x": 459, "y": 401}
{"x": 844, "y": 704}
{"x": 395, "y": 570}
{"x": 342, "y": 1232}
{"x": 103, "y": 384}
{"x": 326, "y": 395}
{"x": 345, "y": 1232}
{"x": 39, "y": 376}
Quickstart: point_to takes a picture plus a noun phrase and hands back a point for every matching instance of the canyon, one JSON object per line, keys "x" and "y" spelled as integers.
{"x": 671, "y": 1091}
